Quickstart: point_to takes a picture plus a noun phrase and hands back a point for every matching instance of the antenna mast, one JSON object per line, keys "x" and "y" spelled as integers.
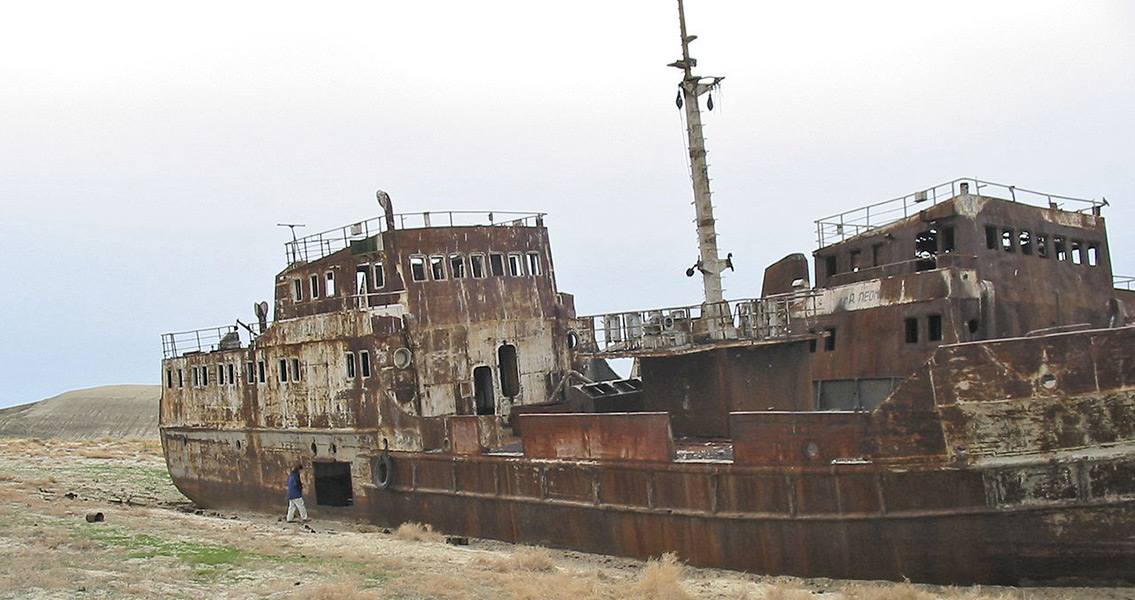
{"x": 691, "y": 87}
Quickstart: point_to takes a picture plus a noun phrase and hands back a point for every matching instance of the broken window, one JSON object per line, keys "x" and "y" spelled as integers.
{"x": 496, "y": 265}
{"x": 812, "y": 341}
{"x": 379, "y": 276}
{"x": 362, "y": 279}
{"x": 1093, "y": 255}
{"x": 180, "y": 379}
{"x": 283, "y": 370}
{"x": 297, "y": 289}
{"x": 515, "y": 265}
{"x": 855, "y": 257}
{"x": 1008, "y": 244}
{"x": 251, "y": 370}
{"x": 330, "y": 284}
{"x": 946, "y": 243}
{"x": 934, "y": 328}
{"x": 925, "y": 249}
{"x": 350, "y": 365}
{"x": 533, "y": 263}
{"x": 220, "y": 374}
{"x": 990, "y": 237}
{"x": 483, "y": 399}
{"x": 477, "y": 265}
{"x": 829, "y": 339}
{"x": 364, "y": 363}
{"x": 295, "y": 369}
{"x": 1025, "y": 241}
{"x": 169, "y": 378}
{"x": 1060, "y": 246}
{"x": 457, "y": 266}
{"x": 509, "y": 370}
{"x": 437, "y": 267}
{"x": 196, "y": 378}
{"x": 314, "y": 286}
{"x": 232, "y": 370}
{"x": 830, "y": 263}
{"x": 912, "y": 330}
{"x": 260, "y": 372}
{"x": 1042, "y": 245}
{"x": 1077, "y": 252}
{"x": 418, "y": 267}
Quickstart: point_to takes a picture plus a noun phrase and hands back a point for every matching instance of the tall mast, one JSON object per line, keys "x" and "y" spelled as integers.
{"x": 691, "y": 87}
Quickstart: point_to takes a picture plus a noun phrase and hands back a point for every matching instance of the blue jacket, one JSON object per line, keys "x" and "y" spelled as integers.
{"x": 295, "y": 486}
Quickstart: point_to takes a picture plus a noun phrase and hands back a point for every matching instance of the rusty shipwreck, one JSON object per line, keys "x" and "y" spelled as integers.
{"x": 952, "y": 400}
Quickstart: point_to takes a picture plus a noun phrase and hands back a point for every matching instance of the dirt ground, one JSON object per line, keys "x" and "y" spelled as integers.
{"x": 148, "y": 546}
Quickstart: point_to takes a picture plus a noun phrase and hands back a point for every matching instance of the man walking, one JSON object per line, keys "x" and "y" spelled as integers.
{"x": 295, "y": 495}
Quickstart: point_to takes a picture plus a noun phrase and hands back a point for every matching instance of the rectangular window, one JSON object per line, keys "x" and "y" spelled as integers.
{"x": 516, "y": 265}
{"x": 437, "y": 267}
{"x": 330, "y": 284}
{"x": 350, "y": 365}
{"x": 812, "y": 341}
{"x": 169, "y": 378}
{"x": 314, "y": 287}
{"x": 912, "y": 330}
{"x": 379, "y": 276}
{"x": 1042, "y": 245}
{"x": 364, "y": 363}
{"x": 496, "y": 265}
{"x": 829, "y": 340}
{"x": 196, "y": 378}
{"x": 990, "y": 237}
{"x": 180, "y": 379}
{"x": 831, "y": 265}
{"x": 457, "y": 266}
{"x": 204, "y": 375}
{"x": 947, "y": 239}
{"x": 477, "y": 265}
{"x": 283, "y": 370}
{"x": 232, "y": 371}
{"x": 260, "y": 371}
{"x": 1077, "y": 252}
{"x": 856, "y": 256}
{"x": 297, "y": 290}
{"x": 418, "y": 267}
{"x": 1008, "y": 244}
{"x": 220, "y": 374}
{"x": 533, "y": 263}
{"x": 295, "y": 369}
{"x": 1025, "y": 241}
{"x": 1093, "y": 255}
{"x": 251, "y": 370}
{"x": 362, "y": 280}
{"x": 1060, "y": 247}
{"x": 876, "y": 255}
{"x": 934, "y": 328}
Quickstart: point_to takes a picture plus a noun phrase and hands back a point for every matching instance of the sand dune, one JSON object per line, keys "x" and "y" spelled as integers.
{"x": 116, "y": 411}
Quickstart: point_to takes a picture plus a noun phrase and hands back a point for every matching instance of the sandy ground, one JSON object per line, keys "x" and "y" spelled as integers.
{"x": 149, "y": 546}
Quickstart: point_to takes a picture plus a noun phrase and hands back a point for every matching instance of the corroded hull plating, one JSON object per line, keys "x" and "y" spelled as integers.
{"x": 1052, "y": 497}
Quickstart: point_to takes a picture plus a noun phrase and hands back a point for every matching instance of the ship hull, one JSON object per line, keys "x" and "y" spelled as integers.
{"x": 858, "y": 521}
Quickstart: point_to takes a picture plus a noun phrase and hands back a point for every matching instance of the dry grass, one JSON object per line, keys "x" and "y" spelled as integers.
{"x": 660, "y": 580}
{"x": 416, "y": 532}
{"x": 525, "y": 558}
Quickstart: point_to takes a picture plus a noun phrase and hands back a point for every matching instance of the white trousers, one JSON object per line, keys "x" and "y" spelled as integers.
{"x": 296, "y": 504}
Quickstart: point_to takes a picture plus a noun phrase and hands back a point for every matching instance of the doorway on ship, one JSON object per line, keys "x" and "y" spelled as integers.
{"x": 483, "y": 399}
{"x": 333, "y": 483}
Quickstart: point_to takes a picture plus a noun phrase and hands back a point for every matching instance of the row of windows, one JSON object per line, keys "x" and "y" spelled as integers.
{"x": 369, "y": 277}
{"x": 226, "y": 373}
{"x": 1078, "y": 252}
{"x": 438, "y": 267}
{"x": 911, "y": 332}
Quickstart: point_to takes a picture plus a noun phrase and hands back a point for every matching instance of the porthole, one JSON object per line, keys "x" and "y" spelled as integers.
{"x": 572, "y": 340}
{"x": 812, "y": 450}
{"x": 402, "y": 358}
{"x": 1048, "y": 382}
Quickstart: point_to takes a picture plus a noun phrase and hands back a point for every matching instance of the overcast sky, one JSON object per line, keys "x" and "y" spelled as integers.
{"x": 147, "y": 149}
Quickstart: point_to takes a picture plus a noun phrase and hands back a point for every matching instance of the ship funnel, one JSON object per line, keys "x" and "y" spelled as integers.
{"x": 387, "y": 208}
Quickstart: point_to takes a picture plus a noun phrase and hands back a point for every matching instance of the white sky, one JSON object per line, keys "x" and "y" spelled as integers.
{"x": 147, "y": 151}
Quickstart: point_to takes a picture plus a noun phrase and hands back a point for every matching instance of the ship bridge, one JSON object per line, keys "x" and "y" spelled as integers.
{"x": 688, "y": 329}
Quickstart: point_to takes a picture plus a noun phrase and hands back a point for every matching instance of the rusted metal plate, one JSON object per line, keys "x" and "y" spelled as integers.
{"x": 609, "y": 436}
{"x": 797, "y": 438}
{"x": 464, "y": 434}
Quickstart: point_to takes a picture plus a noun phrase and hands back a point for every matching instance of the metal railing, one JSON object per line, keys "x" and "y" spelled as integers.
{"x": 210, "y": 339}
{"x": 1123, "y": 282}
{"x": 845, "y": 225}
{"x": 771, "y": 318}
{"x": 318, "y": 245}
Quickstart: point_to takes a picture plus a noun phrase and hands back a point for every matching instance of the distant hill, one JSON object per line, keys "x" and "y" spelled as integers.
{"x": 116, "y": 411}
